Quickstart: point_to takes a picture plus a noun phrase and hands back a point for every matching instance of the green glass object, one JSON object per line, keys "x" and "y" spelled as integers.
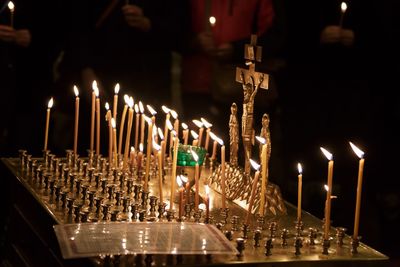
{"x": 185, "y": 156}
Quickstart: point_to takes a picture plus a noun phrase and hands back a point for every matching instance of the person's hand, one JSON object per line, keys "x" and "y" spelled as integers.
{"x": 347, "y": 37}
{"x": 23, "y": 37}
{"x": 7, "y": 34}
{"x": 135, "y": 18}
{"x": 331, "y": 34}
{"x": 205, "y": 42}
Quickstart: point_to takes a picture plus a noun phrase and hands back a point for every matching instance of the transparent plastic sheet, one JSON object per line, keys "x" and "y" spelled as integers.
{"x": 115, "y": 238}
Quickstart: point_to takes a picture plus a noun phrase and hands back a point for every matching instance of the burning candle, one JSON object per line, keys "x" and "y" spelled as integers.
{"x": 201, "y": 129}
{"x": 96, "y": 91}
{"x": 176, "y": 122}
{"x": 174, "y": 163}
{"x": 208, "y": 126}
{"x": 128, "y": 132}
{"x": 133, "y": 156}
{"x": 264, "y": 178}
{"x": 46, "y": 134}
{"x": 122, "y": 124}
{"x": 167, "y": 116}
{"x": 94, "y": 85}
{"x": 214, "y": 151}
{"x": 110, "y": 141}
{"x": 11, "y": 7}
{"x": 158, "y": 148}
{"x": 137, "y": 125}
{"x": 114, "y": 134}
{"x": 299, "y": 189}
{"x": 223, "y": 195}
{"x": 185, "y": 133}
{"x": 196, "y": 179}
{"x": 171, "y": 139}
{"x": 115, "y": 105}
{"x": 195, "y": 136}
{"x": 162, "y": 143}
{"x": 148, "y": 152}
{"x": 186, "y": 183}
{"x": 256, "y": 166}
{"x": 153, "y": 113}
{"x": 76, "y": 91}
{"x": 343, "y": 8}
{"x": 142, "y": 125}
{"x": 180, "y": 185}
{"x": 359, "y": 154}
{"x": 212, "y": 21}
{"x": 329, "y": 156}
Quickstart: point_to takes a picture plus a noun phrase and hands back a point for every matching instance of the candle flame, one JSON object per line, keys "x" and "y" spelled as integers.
{"x": 151, "y": 110}
{"x": 207, "y": 189}
{"x": 141, "y": 108}
{"x": 198, "y": 123}
{"x": 255, "y": 165}
{"x": 194, "y": 134}
{"x": 126, "y": 99}
{"x": 213, "y": 136}
{"x": 343, "y": 7}
{"x": 326, "y": 187}
{"x": 220, "y": 141}
{"x": 130, "y": 102}
{"x": 156, "y": 146}
{"x": 107, "y": 106}
{"x": 212, "y": 20}
{"x": 154, "y": 133}
{"x": 356, "y": 150}
{"x": 165, "y": 109}
{"x": 50, "y": 104}
{"x": 136, "y": 108}
{"x": 132, "y": 149}
{"x": 169, "y": 125}
{"x": 261, "y": 139}
{"x": 160, "y": 133}
{"x": 76, "y": 91}
{"x": 96, "y": 91}
{"x": 147, "y": 119}
{"x": 174, "y": 133}
{"x": 184, "y": 126}
{"x": 327, "y": 154}
{"x": 299, "y": 168}
{"x": 11, "y": 6}
{"x": 116, "y": 88}
{"x": 174, "y": 114}
{"x": 179, "y": 180}
{"x": 202, "y": 206}
{"x": 113, "y": 123}
{"x": 206, "y": 123}
{"x": 184, "y": 178}
{"x": 141, "y": 147}
{"x": 194, "y": 154}
{"x": 94, "y": 84}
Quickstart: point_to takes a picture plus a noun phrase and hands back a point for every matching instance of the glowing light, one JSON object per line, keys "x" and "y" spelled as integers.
{"x": 255, "y": 165}
{"x": 299, "y": 168}
{"x": 327, "y": 154}
{"x": 50, "y": 104}
{"x": 206, "y": 123}
{"x": 76, "y": 91}
{"x": 198, "y": 123}
{"x": 116, "y": 89}
{"x": 261, "y": 139}
{"x": 356, "y": 150}
{"x": 194, "y": 134}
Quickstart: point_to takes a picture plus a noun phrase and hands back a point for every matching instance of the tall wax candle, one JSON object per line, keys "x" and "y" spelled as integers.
{"x": 253, "y": 190}
{"x": 360, "y": 154}
{"x": 76, "y": 125}
{"x": 264, "y": 169}
{"x": 46, "y": 133}
{"x": 148, "y": 152}
{"x": 327, "y": 226}
{"x": 174, "y": 164}
{"x": 128, "y": 133}
{"x": 92, "y": 121}
{"x": 122, "y": 124}
{"x": 299, "y": 191}
{"x": 115, "y": 104}
{"x": 97, "y": 122}
{"x": 137, "y": 125}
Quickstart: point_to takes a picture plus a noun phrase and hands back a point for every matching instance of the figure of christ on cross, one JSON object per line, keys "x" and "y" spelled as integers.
{"x": 251, "y": 81}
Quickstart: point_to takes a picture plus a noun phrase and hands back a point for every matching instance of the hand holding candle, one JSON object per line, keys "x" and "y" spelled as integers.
{"x": 46, "y": 133}
{"x": 76, "y": 91}
{"x": 329, "y": 156}
{"x": 359, "y": 154}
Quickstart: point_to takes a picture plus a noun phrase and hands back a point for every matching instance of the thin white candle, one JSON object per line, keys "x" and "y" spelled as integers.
{"x": 46, "y": 133}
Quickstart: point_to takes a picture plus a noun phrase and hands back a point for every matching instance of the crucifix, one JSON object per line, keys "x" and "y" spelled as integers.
{"x": 251, "y": 81}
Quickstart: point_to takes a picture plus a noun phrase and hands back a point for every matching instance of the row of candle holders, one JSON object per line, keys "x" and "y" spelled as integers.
{"x": 90, "y": 190}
